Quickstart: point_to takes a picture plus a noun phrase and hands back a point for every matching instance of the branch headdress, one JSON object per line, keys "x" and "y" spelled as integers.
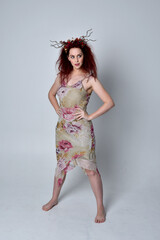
{"x": 81, "y": 40}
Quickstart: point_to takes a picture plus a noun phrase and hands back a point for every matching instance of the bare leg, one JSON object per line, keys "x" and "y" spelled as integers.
{"x": 56, "y": 192}
{"x": 97, "y": 187}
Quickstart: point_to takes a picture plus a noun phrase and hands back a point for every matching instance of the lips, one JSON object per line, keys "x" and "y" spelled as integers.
{"x": 77, "y": 64}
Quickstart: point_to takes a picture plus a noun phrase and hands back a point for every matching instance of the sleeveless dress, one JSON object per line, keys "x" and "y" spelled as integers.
{"x": 75, "y": 139}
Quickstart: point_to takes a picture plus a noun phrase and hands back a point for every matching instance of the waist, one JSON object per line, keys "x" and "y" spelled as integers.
{"x": 68, "y": 112}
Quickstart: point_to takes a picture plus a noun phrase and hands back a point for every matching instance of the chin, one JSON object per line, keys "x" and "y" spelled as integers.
{"x": 79, "y": 66}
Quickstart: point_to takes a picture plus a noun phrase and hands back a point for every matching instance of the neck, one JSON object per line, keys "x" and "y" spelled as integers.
{"x": 77, "y": 72}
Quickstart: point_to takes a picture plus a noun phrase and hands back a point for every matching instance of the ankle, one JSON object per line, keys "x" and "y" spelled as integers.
{"x": 100, "y": 206}
{"x": 54, "y": 198}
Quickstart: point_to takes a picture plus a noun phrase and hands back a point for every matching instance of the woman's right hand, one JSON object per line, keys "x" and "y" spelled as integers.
{"x": 59, "y": 111}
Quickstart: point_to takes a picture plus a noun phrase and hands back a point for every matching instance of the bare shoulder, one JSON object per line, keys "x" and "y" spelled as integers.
{"x": 99, "y": 89}
{"x": 57, "y": 79}
{"x": 91, "y": 82}
{"x": 56, "y": 85}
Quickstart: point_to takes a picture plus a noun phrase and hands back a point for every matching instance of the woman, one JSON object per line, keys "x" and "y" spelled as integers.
{"x": 75, "y": 139}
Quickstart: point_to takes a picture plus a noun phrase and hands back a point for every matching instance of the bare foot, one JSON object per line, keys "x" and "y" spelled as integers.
{"x": 50, "y": 204}
{"x": 101, "y": 215}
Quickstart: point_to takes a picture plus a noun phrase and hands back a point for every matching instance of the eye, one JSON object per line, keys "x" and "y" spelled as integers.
{"x": 72, "y": 56}
{"x": 80, "y": 55}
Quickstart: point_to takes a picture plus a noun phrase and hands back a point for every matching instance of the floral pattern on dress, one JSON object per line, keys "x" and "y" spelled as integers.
{"x": 75, "y": 139}
{"x": 72, "y": 128}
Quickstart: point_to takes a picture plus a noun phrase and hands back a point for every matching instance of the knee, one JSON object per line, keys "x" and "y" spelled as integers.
{"x": 90, "y": 172}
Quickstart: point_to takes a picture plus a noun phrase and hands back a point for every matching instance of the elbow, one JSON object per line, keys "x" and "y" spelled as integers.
{"x": 112, "y": 104}
{"x": 49, "y": 94}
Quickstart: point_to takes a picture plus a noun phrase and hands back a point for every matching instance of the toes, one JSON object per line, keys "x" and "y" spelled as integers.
{"x": 44, "y": 208}
{"x": 99, "y": 220}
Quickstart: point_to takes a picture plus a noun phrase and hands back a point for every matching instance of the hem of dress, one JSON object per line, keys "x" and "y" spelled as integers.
{"x": 59, "y": 174}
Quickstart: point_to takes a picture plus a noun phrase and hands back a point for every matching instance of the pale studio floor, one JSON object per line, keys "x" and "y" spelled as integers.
{"x": 26, "y": 184}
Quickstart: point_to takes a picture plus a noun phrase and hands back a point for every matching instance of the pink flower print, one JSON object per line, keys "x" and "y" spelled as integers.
{"x": 67, "y": 113}
{"x": 65, "y": 145}
{"x": 61, "y": 164}
{"x": 76, "y": 106}
{"x": 62, "y": 91}
{"x": 77, "y": 84}
{"x": 57, "y": 150}
{"x": 60, "y": 180}
{"x": 68, "y": 167}
{"x": 72, "y": 128}
{"x": 76, "y": 156}
{"x": 92, "y": 135}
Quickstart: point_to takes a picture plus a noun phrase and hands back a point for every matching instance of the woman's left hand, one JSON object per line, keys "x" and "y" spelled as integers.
{"x": 80, "y": 113}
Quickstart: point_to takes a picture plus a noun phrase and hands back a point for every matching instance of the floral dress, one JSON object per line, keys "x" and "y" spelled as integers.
{"x": 75, "y": 139}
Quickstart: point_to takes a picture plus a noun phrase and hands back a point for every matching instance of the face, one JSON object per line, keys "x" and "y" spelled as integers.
{"x": 76, "y": 57}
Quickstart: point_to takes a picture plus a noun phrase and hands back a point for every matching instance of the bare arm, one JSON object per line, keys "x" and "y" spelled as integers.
{"x": 104, "y": 96}
{"x": 52, "y": 94}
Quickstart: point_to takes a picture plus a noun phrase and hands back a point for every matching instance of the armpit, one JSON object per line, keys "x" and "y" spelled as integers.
{"x": 87, "y": 84}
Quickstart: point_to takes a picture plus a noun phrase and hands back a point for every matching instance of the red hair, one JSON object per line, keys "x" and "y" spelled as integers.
{"x": 65, "y": 67}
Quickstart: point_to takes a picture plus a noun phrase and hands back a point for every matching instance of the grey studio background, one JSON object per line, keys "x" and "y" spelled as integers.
{"x": 127, "y": 137}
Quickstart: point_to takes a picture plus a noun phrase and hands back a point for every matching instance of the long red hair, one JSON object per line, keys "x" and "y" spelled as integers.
{"x": 65, "y": 67}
